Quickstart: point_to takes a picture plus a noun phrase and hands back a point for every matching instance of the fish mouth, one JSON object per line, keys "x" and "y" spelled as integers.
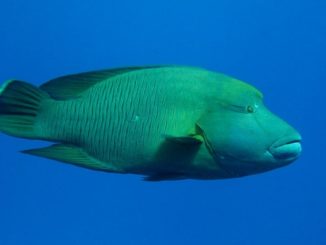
{"x": 287, "y": 148}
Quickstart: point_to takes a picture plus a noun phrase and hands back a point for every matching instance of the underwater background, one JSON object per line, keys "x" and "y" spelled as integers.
{"x": 279, "y": 46}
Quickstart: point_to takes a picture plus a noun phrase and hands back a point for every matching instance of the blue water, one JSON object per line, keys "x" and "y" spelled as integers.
{"x": 277, "y": 45}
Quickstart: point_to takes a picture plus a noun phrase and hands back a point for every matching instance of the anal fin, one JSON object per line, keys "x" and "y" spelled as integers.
{"x": 164, "y": 177}
{"x": 73, "y": 155}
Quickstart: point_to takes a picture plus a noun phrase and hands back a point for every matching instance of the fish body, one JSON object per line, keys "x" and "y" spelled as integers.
{"x": 160, "y": 121}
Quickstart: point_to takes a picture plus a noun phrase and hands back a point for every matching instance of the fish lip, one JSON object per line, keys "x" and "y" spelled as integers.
{"x": 286, "y": 142}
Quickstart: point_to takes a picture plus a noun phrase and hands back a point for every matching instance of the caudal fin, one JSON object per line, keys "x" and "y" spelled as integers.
{"x": 19, "y": 107}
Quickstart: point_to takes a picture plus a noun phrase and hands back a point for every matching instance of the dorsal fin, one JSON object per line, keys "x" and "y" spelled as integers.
{"x": 71, "y": 86}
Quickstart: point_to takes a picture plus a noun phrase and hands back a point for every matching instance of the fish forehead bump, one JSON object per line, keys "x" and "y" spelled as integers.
{"x": 233, "y": 88}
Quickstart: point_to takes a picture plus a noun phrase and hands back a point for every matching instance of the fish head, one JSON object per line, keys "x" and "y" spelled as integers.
{"x": 244, "y": 137}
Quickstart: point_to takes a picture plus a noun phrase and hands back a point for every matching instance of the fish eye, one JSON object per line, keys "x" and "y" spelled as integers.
{"x": 250, "y": 109}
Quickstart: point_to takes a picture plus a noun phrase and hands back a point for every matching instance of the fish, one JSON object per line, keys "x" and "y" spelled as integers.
{"x": 162, "y": 122}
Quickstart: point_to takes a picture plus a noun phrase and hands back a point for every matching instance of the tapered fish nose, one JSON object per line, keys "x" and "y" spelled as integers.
{"x": 287, "y": 147}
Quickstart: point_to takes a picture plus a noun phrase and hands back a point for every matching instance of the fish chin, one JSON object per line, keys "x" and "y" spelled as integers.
{"x": 236, "y": 167}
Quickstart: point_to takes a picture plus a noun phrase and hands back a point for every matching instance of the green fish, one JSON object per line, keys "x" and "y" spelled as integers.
{"x": 163, "y": 122}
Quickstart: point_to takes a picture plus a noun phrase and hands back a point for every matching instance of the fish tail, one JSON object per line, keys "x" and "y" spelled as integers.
{"x": 19, "y": 106}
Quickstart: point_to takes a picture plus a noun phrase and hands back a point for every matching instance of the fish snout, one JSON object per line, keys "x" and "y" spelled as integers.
{"x": 287, "y": 148}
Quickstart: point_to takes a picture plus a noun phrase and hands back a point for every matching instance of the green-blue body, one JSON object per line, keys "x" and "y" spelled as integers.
{"x": 149, "y": 121}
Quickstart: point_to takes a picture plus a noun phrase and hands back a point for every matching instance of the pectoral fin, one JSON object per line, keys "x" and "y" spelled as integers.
{"x": 174, "y": 156}
{"x": 73, "y": 155}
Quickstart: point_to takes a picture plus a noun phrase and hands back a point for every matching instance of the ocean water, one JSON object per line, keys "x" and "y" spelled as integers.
{"x": 278, "y": 46}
